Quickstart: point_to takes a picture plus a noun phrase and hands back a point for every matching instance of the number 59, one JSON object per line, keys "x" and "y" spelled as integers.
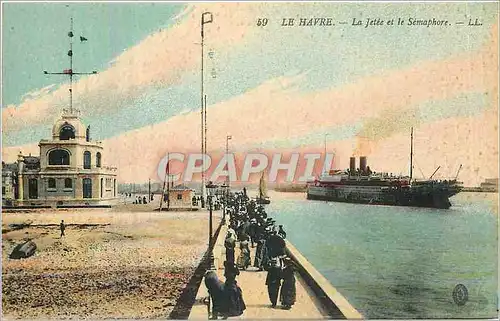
{"x": 261, "y": 22}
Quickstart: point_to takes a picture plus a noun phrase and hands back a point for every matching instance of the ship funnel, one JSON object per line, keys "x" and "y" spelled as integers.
{"x": 362, "y": 164}
{"x": 352, "y": 165}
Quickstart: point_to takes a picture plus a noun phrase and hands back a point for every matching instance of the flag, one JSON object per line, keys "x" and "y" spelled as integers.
{"x": 166, "y": 168}
{"x": 206, "y": 17}
{"x": 82, "y": 39}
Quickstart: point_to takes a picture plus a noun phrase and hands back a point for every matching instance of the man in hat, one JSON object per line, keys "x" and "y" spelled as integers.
{"x": 273, "y": 281}
{"x": 276, "y": 244}
{"x": 288, "y": 292}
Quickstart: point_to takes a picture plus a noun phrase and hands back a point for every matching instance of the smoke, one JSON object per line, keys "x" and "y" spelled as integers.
{"x": 392, "y": 121}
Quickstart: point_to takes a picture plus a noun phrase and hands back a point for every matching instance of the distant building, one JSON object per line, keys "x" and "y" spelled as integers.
{"x": 181, "y": 198}
{"x": 69, "y": 171}
{"x": 9, "y": 180}
{"x": 490, "y": 185}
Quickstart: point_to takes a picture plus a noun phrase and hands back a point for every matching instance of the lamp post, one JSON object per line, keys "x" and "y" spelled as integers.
{"x": 206, "y": 17}
{"x": 149, "y": 190}
{"x": 324, "y": 166}
{"x": 228, "y": 181}
{"x": 210, "y": 189}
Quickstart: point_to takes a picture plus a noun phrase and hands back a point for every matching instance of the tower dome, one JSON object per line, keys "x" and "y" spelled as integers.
{"x": 69, "y": 126}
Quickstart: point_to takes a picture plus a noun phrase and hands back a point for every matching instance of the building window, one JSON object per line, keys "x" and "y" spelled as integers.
{"x": 68, "y": 183}
{"x": 87, "y": 160}
{"x": 179, "y": 196}
{"x": 58, "y": 157}
{"x": 87, "y": 188}
{"x": 67, "y": 131}
{"x": 52, "y": 183}
{"x": 98, "y": 159}
{"x": 33, "y": 188}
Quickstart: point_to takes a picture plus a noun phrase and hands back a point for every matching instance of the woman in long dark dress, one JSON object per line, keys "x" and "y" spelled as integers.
{"x": 244, "y": 257}
{"x": 229, "y": 244}
{"x": 288, "y": 293}
{"x": 233, "y": 298}
{"x": 260, "y": 253}
{"x": 215, "y": 288}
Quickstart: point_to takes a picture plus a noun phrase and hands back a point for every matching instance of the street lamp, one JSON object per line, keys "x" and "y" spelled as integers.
{"x": 211, "y": 190}
{"x": 228, "y": 181}
{"x": 206, "y": 17}
{"x": 325, "y": 154}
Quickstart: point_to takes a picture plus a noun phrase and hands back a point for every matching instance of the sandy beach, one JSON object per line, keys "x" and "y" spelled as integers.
{"x": 134, "y": 264}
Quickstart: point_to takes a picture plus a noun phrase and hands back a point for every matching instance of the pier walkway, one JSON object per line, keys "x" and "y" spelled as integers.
{"x": 252, "y": 283}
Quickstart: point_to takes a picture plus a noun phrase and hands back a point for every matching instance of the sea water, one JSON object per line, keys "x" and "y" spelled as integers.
{"x": 400, "y": 262}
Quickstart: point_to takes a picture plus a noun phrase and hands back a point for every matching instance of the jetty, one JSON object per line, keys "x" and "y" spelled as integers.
{"x": 316, "y": 297}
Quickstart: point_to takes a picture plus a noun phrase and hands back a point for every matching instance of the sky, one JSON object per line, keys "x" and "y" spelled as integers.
{"x": 273, "y": 88}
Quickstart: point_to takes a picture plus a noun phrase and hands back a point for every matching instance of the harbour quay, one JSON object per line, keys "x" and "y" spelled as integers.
{"x": 315, "y": 296}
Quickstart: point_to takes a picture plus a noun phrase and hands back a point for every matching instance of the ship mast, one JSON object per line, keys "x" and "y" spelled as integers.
{"x": 69, "y": 72}
{"x": 411, "y": 154}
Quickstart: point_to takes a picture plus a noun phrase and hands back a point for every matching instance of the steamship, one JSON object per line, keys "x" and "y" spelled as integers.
{"x": 366, "y": 187}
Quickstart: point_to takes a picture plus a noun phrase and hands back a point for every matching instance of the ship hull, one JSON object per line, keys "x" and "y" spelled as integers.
{"x": 431, "y": 197}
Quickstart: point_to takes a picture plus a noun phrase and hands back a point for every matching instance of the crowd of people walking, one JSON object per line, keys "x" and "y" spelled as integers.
{"x": 249, "y": 227}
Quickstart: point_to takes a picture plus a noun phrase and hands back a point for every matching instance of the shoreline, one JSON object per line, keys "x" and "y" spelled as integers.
{"x": 132, "y": 265}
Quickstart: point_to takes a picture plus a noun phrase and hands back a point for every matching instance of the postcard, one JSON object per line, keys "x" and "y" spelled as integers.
{"x": 214, "y": 160}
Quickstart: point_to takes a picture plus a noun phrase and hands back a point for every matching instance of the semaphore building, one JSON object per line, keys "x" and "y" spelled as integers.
{"x": 72, "y": 170}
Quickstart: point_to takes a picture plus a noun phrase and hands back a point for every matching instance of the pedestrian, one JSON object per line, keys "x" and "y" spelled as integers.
{"x": 252, "y": 231}
{"x": 260, "y": 252}
{"x": 62, "y": 227}
{"x": 273, "y": 281}
{"x": 281, "y": 232}
{"x": 231, "y": 231}
{"x": 288, "y": 292}
{"x": 245, "y": 227}
{"x": 276, "y": 245}
{"x": 230, "y": 244}
{"x": 144, "y": 200}
{"x": 244, "y": 260}
{"x": 233, "y": 297}
{"x": 215, "y": 289}
{"x": 230, "y": 270}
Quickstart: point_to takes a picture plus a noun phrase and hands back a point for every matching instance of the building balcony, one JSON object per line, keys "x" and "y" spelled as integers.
{"x": 68, "y": 169}
{"x": 71, "y": 141}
